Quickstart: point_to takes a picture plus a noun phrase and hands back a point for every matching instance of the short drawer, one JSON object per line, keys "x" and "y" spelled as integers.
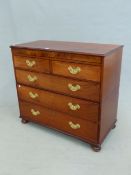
{"x": 32, "y": 52}
{"x": 72, "y": 106}
{"x": 79, "y": 71}
{"x": 33, "y": 64}
{"x": 24, "y": 52}
{"x": 82, "y": 89}
{"x": 65, "y": 123}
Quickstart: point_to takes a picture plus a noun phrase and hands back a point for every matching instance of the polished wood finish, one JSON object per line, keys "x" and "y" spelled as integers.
{"x": 88, "y": 90}
{"x": 40, "y": 65}
{"x": 54, "y": 55}
{"x": 88, "y": 110}
{"x": 87, "y": 72}
{"x": 69, "y": 47}
{"x": 109, "y": 92}
{"x": 60, "y": 121}
{"x": 73, "y": 88}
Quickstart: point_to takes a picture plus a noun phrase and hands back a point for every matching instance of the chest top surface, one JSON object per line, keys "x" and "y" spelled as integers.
{"x": 70, "y": 47}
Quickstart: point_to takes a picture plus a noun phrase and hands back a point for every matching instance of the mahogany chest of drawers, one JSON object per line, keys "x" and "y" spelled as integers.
{"x": 69, "y": 86}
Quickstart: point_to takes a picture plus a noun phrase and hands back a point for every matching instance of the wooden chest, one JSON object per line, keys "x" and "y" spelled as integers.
{"x": 69, "y": 86}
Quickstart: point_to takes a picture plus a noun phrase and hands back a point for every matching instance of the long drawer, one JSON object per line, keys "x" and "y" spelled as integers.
{"x": 72, "y": 106}
{"x": 81, "y": 89}
{"x": 74, "y": 126}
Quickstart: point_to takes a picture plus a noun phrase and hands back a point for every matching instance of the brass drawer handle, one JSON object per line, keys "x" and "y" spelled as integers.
{"x": 33, "y": 95}
{"x": 32, "y": 79}
{"x": 30, "y": 63}
{"x": 74, "y": 70}
{"x": 74, "y": 126}
{"x": 73, "y": 107}
{"x": 35, "y": 113}
{"x": 74, "y": 88}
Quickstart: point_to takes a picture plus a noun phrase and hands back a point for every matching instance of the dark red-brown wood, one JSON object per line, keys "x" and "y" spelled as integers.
{"x": 88, "y": 90}
{"x": 97, "y": 97}
{"x": 70, "y": 47}
{"x": 57, "y": 102}
{"x": 40, "y": 65}
{"x": 60, "y": 121}
{"x": 87, "y": 72}
{"x": 109, "y": 92}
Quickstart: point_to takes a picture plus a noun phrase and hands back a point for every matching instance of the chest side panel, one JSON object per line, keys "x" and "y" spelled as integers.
{"x": 109, "y": 92}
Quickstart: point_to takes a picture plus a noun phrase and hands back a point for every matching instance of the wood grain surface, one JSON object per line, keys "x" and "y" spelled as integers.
{"x": 88, "y": 90}
{"x": 87, "y": 72}
{"x": 88, "y": 110}
{"x": 60, "y": 121}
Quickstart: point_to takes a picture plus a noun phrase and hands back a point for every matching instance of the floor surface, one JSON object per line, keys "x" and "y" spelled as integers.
{"x": 30, "y": 149}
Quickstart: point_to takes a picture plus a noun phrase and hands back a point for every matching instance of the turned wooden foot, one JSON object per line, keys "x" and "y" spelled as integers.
{"x": 24, "y": 121}
{"x": 96, "y": 148}
{"x": 114, "y": 126}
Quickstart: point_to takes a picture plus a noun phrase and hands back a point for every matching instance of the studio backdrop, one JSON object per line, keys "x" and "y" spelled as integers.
{"x": 70, "y": 20}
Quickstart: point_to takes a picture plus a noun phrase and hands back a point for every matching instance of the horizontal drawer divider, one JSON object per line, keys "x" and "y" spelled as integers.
{"x": 35, "y": 71}
{"x": 60, "y": 59}
{"x": 73, "y": 78}
{"x": 56, "y": 75}
{"x": 74, "y": 61}
{"x": 97, "y": 122}
{"x": 59, "y": 93}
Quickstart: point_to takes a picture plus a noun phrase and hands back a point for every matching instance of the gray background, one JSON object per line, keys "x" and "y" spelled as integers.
{"x": 71, "y": 20}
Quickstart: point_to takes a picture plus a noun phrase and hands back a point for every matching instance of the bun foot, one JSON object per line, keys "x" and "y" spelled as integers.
{"x": 96, "y": 148}
{"x": 114, "y": 126}
{"x": 24, "y": 121}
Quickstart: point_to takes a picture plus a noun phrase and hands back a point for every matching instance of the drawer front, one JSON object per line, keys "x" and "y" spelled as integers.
{"x": 95, "y": 60}
{"x": 80, "y": 71}
{"x": 32, "y": 53}
{"x": 86, "y": 90}
{"x": 72, "y": 106}
{"x": 74, "y": 126}
{"x": 24, "y": 52}
{"x": 33, "y": 64}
